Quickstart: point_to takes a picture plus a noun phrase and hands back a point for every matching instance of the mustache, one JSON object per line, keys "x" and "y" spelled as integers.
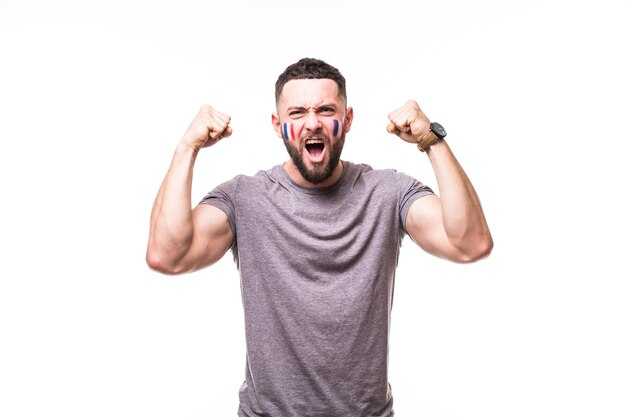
{"x": 317, "y": 135}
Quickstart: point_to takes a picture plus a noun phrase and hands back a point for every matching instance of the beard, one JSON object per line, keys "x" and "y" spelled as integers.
{"x": 320, "y": 172}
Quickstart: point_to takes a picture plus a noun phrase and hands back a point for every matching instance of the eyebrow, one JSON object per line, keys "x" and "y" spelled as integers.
{"x": 321, "y": 106}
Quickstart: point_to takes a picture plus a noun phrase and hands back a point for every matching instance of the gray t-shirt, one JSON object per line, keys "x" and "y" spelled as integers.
{"x": 317, "y": 271}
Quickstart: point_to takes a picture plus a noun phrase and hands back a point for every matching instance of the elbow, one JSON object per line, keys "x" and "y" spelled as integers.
{"x": 484, "y": 250}
{"x": 159, "y": 263}
{"x": 479, "y": 250}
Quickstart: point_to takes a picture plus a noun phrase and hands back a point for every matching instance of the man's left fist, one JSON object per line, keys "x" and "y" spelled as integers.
{"x": 409, "y": 122}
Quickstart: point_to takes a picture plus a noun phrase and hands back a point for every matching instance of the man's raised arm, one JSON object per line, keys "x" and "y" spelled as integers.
{"x": 452, "y": 226}
{"x": 181, "y": 239}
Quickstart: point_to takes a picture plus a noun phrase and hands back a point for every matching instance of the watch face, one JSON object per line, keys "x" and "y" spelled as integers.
{"x": 438, "y": 130}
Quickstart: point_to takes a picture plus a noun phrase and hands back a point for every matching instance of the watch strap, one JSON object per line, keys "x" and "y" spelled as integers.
{"x": 427, "y": 139}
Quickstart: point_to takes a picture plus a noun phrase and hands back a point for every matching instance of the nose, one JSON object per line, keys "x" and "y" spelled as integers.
{"x": 312, "y": 121}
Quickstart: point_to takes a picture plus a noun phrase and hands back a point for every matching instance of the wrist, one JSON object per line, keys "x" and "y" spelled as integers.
{"x": 436, "y": 147}
{"x": 425, "y": 141}
{"x": 435, "y": 134}
{"x": 184, "y": 148}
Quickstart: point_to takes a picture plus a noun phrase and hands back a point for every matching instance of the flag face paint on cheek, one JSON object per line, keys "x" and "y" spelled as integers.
{"x": 337, "y": 128}
{"x": 288, "y": 131}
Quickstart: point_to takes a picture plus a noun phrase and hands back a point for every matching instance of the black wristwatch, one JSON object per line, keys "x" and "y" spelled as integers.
{"x": 438, "y": 130}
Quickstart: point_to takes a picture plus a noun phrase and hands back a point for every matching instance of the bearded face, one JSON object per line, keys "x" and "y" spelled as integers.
{"x": 313, "y": 121}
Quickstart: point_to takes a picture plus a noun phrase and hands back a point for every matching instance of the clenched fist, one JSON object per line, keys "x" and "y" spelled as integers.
{"x": 207, "y": 128}
{"x": 409, "y": 122}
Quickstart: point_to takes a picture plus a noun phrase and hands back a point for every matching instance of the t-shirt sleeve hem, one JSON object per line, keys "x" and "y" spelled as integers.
{"x": 224, "y": 207}
{"x": 409, "y": 202}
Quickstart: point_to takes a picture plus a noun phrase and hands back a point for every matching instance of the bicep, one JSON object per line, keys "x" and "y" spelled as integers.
{"x": 424, "y": 223}
{"x": 212, "y": 237}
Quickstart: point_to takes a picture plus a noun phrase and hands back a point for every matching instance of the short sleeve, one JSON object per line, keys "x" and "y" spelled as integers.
{"x": 411, "y": 190}
{"x": 223, "y": 197}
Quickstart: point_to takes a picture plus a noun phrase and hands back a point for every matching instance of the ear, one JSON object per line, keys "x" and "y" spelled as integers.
{"x": 277, "y": 126}
{"x": 348, "y": 122}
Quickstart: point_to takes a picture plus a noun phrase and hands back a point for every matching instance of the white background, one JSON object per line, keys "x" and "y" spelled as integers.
{"x": 95, "y": 95}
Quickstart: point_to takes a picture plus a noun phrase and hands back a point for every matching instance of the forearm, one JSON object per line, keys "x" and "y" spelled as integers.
{"x": 171, "y": 225}
{"x": 463, "y": 218}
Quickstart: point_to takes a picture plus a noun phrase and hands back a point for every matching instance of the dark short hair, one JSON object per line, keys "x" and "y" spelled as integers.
{"x": 311, "y": 68}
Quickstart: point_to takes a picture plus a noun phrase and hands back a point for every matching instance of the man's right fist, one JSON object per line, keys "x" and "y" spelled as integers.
{"x": 207, "y": 128}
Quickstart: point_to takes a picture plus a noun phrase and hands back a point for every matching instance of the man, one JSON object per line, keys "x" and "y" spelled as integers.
{"x": 316, "y": 241}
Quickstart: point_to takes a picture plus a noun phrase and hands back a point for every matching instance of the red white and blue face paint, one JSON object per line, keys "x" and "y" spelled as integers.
{"x": 289, "y": 131}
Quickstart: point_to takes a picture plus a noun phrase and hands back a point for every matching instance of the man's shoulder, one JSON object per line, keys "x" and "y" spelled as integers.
{"x": 386, "y": 180}
{"x": 367, "y": 172}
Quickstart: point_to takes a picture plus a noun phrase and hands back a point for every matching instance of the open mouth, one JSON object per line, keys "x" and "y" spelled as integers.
{"x": 315, "y": 149}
